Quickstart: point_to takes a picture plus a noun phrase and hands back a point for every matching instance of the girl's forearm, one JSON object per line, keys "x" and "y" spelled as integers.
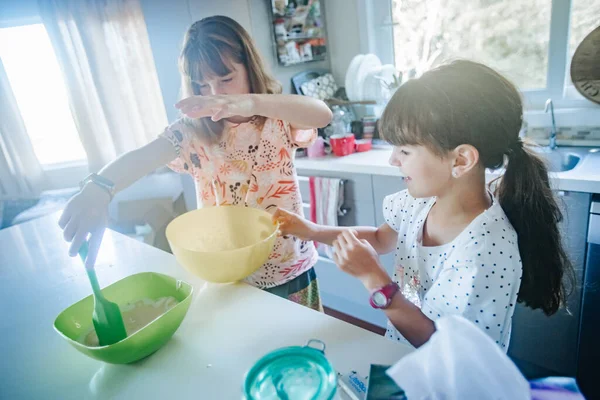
{"x": 407, "y": 318}
{"x": 327, "y": 234}
{"x": 133, "y": 165}
{"x": 410, "y": 321}
{"x": 302, "y": 112}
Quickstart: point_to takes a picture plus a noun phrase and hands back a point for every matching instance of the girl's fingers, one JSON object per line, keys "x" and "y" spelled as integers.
{"x": 343, "y": 239}
{"x": 64, "y": 218}
{"x": 337, "y": 252}
{"x": 70, "y": 229}
{"x": 190, "y": 102}
{"x": 336, "y": 258}
{"x": 196, "y": 103}
{"x": 219, "y": 114}
{"x": 284, "y": 213}
{"x": 339, "y": 248}
{"x": 78, "y": 239}
{"x": 349, "y": 237}
{"x": 276, "y": 217}
{"x": 198, "y": 112}
{"x": 94, "y": 247}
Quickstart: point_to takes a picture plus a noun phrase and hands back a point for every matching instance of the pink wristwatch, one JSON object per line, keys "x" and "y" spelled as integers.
{"x": 382, "y": 298}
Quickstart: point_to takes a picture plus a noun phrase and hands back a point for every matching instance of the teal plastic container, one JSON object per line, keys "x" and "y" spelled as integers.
{"x": 292, "y": 373}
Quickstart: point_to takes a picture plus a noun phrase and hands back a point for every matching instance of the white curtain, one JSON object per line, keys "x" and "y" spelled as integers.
{"x": 104, "y": 52}
{"x": 21, "y": 174}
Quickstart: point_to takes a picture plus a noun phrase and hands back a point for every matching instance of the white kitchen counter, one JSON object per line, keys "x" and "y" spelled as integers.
{"x": 227, "y": 328}
{"x": 585, "y": 178}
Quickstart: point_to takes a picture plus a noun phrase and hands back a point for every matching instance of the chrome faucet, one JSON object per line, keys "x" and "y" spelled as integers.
{"x": 552, "y": 138}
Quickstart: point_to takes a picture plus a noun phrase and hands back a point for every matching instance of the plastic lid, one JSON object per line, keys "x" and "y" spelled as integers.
{"x": 292, "y": 373}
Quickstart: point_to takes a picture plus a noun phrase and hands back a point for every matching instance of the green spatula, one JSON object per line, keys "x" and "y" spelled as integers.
{"x": 107, "y": 318}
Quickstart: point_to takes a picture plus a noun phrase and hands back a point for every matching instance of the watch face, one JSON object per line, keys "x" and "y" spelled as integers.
{"x": 379, "y": 299}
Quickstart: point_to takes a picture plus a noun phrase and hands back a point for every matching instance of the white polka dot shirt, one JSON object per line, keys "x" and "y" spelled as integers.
{"x": 477, "y": 275}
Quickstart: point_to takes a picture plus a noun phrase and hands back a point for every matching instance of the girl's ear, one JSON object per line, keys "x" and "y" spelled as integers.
{"x": 466, "y": 157}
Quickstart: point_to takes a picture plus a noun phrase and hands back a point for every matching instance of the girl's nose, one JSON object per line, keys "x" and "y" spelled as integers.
{"x": 218, "y": 89}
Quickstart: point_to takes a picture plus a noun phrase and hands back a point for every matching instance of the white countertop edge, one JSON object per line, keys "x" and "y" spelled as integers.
{"x": 375, "y": 162}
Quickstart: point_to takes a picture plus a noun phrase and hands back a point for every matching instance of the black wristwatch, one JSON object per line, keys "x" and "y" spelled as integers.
{"x": 100, "y": 181}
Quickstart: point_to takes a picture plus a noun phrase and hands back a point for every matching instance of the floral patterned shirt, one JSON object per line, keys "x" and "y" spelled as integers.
{"x": 253, "y": 165}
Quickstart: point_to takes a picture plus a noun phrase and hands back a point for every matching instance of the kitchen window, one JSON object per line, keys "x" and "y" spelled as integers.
{"x": 40, "y": 92}
{"x": 509, "y": 36}
{"x": 531, "y": 42}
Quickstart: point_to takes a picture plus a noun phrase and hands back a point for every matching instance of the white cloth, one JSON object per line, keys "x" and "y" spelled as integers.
{"x": 114, "y": 94}
{"x": 21, "y": 174}
{"x": 327, "y": 204}
{"x": 459, "y": 362}
{"x": 477, "y": 275}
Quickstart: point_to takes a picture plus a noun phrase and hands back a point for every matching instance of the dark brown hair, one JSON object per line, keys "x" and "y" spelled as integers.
{"x": 465, "y": 102}
{"x": 209, "y": 47}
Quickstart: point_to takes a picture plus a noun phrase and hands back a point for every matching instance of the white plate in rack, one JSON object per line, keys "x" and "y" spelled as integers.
{"x": 368, "y": 63}
{"x": 350, "y": 80}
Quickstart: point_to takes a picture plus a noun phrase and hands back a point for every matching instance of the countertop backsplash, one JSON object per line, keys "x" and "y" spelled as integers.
{"x": 567, "y": 136}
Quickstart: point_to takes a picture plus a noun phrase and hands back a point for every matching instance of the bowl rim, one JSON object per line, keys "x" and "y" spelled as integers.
{"x": 79, "y": 344}
{"x": 283, "y": 352}
{"x": 268, "y": 238}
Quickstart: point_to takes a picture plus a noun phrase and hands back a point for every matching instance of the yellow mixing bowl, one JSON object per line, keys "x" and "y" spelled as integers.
{"x": 222, "y": 244}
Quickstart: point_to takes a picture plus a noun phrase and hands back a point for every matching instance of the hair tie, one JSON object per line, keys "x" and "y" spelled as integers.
{"x": 515, "y": 146}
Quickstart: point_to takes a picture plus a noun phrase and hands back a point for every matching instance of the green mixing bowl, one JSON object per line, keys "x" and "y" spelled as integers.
{"x": 76, "y": 320}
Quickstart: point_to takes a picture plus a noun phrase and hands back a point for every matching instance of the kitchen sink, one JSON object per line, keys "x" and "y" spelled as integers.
{"x": 560, "y": 161}
{"x": 563, "y": 159}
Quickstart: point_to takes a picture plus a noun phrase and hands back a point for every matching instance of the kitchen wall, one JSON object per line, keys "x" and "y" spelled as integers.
{"x": 343, "y": 34}
{"x": 167, "y": 21}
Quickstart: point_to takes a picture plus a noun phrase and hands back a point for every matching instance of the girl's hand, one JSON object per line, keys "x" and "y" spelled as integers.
{"x": 85, "y": 214}
{"x": 292, "y": 224}
{"x": 359, "y": 259}
{"x": 218, "y": 107}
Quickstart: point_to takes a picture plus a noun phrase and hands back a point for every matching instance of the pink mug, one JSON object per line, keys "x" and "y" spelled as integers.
{"x": 317, "y": 149}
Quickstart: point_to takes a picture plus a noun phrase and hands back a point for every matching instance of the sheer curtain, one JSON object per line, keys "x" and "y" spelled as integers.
{"x": 104, "y": 52}
{"x": 21, "y": 174}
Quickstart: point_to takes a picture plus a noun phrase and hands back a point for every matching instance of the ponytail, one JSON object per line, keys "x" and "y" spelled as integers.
{"x": 465, "y": 102}
{"x": 525, "y": 196}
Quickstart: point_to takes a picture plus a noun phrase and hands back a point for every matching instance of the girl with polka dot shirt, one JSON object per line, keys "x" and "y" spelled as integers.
{"x": 461, "y": 246}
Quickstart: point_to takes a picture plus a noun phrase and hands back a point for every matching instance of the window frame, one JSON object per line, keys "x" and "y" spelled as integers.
{"x": 59, "y": 175}
{"x": 375, "y": 28}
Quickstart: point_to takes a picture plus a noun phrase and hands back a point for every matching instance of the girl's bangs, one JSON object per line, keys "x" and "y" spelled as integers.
{"x": 411, "y": 119}
{"x": 207, "y": 60}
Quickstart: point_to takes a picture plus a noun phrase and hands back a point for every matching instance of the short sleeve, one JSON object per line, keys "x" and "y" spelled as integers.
{"x": 300, "y": 138}
{"x": 477, "y": 287}
{"x": 393, "y": 207}
{"x": 179, "y": 136}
